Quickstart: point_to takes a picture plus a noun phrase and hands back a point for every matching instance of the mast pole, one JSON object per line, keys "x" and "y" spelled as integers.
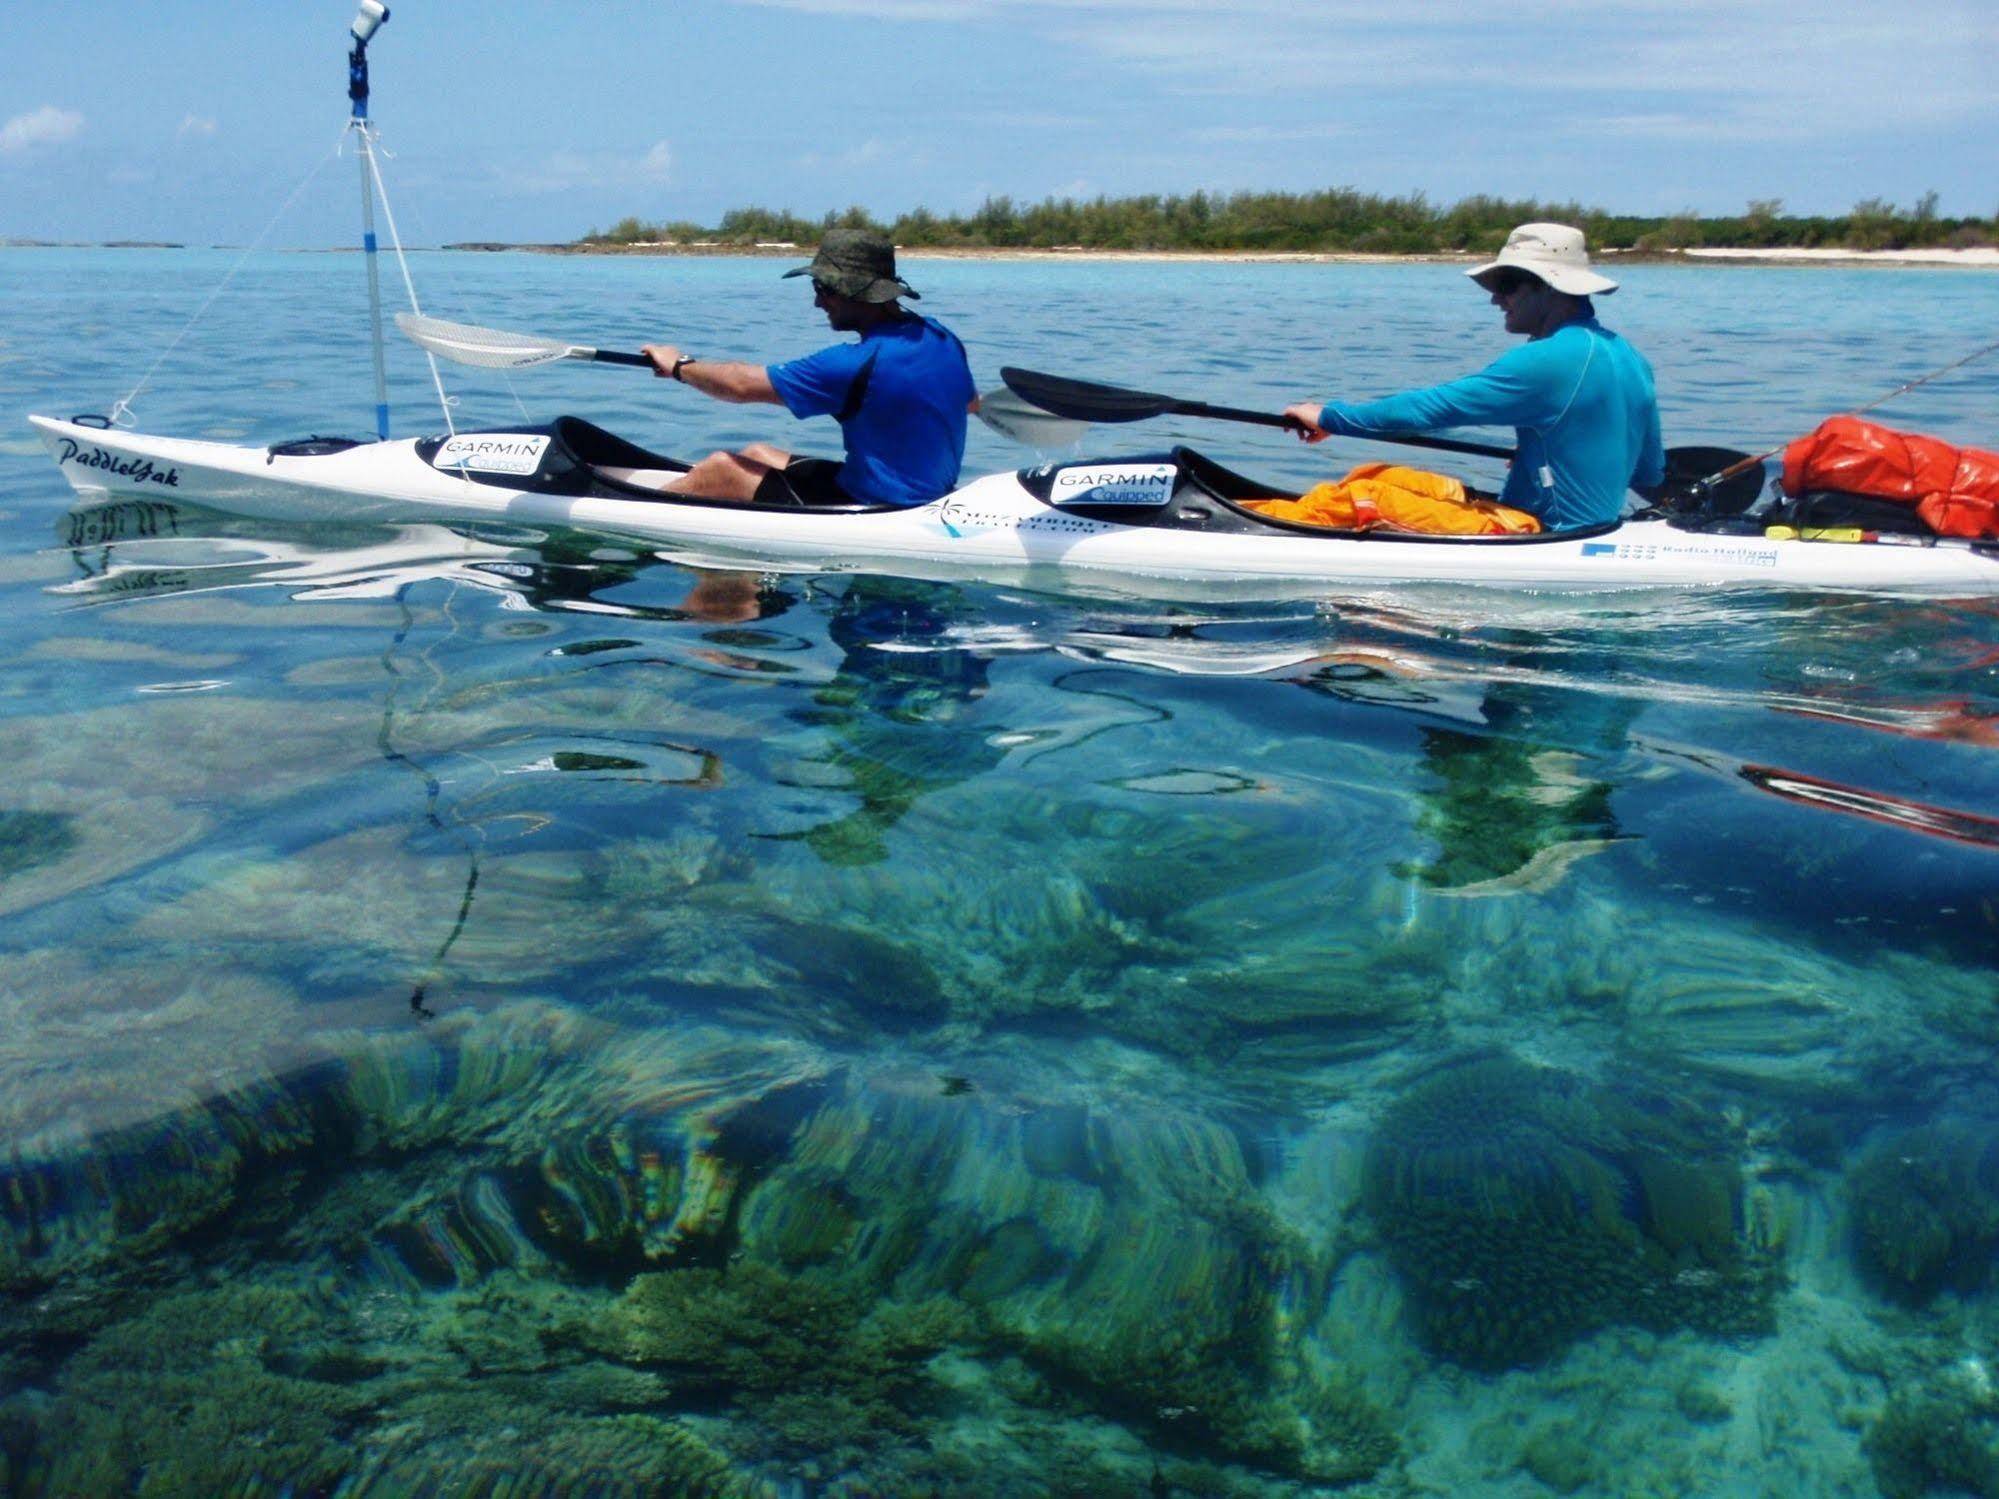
{"x": 366, "y": 22}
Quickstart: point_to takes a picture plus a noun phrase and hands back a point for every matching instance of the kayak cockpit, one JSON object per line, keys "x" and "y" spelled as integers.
{"x": 572, "y": 458}
{"x": 1182, "y": 490}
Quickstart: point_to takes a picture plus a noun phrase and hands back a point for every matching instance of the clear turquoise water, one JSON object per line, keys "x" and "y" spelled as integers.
{"x": 497, "y": 1013}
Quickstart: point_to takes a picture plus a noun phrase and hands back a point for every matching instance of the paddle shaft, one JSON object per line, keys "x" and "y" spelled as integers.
{"x": 1085, "y": 400}
{"x": 1273, "y": 419}
{"x": 614, "y": 356}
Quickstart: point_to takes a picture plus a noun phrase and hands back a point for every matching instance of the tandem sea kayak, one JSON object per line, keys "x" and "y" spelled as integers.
{"x": 1169, "y": 526}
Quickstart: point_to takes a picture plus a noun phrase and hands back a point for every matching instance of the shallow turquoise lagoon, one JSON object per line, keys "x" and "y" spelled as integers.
{"x": 495, "y": 1012}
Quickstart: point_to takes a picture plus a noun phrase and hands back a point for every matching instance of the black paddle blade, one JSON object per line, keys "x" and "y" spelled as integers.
{"x": 1084, "y": 400}
{"x": 1687, "y": 487}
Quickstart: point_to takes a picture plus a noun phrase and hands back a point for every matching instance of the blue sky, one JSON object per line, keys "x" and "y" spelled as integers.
{"x": 192, "y": 120}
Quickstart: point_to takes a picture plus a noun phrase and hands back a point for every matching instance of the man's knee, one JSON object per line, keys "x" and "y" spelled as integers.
{"x": 724, "y": 476}
{"x": 767, "y": 454}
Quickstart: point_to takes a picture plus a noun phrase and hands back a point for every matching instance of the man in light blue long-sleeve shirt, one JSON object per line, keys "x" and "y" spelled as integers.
{"x": 1579, "y": 396}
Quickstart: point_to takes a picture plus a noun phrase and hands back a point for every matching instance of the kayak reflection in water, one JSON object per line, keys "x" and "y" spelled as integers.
{"x": 1507, "y": 787}
{"x": 898, "y": 712}
{"x": 1513, "y": 809}
{"x": 1580, "y": 397}
{"x": 900, "y": 394}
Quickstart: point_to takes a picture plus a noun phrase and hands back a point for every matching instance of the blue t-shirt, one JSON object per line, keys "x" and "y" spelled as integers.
{"x": 899, "y": 395}
{"x": 1583, "y": 403}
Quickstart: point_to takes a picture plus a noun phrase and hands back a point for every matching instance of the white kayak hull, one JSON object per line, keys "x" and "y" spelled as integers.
{"x": 1101, "y": 520}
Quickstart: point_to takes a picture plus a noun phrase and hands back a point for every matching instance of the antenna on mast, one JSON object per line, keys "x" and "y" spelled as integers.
{"x": 367, "y": 21}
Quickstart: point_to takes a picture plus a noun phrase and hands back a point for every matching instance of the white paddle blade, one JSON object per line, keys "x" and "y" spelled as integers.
{"x": 488, "y": 348}
{"x": 1023, "y": 422}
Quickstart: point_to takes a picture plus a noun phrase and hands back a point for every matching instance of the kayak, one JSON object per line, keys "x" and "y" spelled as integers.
{"x": 1170, "y": 525}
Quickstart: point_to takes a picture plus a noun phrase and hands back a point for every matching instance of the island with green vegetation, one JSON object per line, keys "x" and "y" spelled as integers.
{"x": 1333, "y": 221}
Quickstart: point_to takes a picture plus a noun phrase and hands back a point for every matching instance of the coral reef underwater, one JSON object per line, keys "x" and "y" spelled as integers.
{"x": 529, "y": 1251}
{"x": 1527, "y": 1208}
{"x": 517, "y": 1253}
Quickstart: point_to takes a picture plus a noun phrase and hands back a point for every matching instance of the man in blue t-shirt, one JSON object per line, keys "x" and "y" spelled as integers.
{"x": 900, "y": 394}
{"x": 1579, "y": 397}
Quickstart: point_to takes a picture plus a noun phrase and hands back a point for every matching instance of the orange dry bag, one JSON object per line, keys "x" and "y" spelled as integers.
{"x": 1391, "y": 497}
{"x": 1954, "y": 491}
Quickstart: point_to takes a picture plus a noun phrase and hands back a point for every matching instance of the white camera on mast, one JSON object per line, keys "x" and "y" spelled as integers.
{"x": 368, "y": 20}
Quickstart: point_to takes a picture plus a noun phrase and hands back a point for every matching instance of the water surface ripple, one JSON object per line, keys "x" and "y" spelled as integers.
{"x": 493, "y": 1011}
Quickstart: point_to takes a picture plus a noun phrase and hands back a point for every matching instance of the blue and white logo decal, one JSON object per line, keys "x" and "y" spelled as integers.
{"x": 493, "y": 452}
{"x": 1113, "y": 484}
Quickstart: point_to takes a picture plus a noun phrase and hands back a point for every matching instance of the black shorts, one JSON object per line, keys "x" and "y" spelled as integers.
{"x": 804, "y": 481}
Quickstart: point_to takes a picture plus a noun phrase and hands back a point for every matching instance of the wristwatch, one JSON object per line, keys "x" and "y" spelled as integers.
{"x": 674, "y": 373}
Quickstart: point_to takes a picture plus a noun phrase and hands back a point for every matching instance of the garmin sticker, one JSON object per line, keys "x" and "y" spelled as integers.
{"x": 493, "y": 452}
{"x": 1114, "y": 484}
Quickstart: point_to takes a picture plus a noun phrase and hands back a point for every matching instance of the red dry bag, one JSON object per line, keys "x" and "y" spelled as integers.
{"x": 1954, "y": 491}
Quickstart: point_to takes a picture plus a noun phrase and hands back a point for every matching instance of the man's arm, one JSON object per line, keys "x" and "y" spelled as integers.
{"x": 724, "y": 379}
{"x": 1518, "y": 389}
{"x": 1515, "y": 390}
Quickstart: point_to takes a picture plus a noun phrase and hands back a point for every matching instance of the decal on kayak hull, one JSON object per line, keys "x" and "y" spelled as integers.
{"x": 132, "y": 470}
{"x": 1746, "y": 555}
{"x": 1114, "y": 484}
{"x": 493, "y": 452}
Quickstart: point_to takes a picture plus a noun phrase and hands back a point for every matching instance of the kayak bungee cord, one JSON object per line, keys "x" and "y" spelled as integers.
{"x": 1699, "y": 490}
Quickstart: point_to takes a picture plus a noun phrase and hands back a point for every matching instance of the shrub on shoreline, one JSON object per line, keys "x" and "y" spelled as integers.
{"x": 1332, "y": 220}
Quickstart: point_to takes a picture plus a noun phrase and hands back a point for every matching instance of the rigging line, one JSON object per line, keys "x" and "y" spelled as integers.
{"x": 442, "y": 271}
{"x": 123, "y": 406}
{"x": 1925, "y": 379}
{"x": 1757, "y": 461}
{"x": 402, "y": 263}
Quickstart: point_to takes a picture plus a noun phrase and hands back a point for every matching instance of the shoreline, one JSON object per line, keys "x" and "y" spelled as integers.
{"x": 1977, "y": 258}
{"x": 1982, "y": 257}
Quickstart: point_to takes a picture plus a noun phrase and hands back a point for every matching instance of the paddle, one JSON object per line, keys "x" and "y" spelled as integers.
{"x": 1690, "y": 472}
{"x": 1087, "y": 401}
{"x": 494, "y": 348}
{"x": 1050, "y": 411}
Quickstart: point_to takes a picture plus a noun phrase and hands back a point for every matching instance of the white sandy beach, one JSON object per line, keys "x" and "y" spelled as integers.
{"x": 1982, "y": 256}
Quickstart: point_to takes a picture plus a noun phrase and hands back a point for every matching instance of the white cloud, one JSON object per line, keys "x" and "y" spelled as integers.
{"x": 47, "y": 126}
{"x": 1703, "y": 69}
{"x": 194, "y": 125}
{"x": 575, "y": 171}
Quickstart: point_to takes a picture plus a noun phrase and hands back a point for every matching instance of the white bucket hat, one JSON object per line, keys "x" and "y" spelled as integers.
{"x": 1555, "y": 253}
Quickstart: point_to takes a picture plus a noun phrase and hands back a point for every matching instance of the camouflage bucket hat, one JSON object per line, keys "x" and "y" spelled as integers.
{"x": 856, "y": 264}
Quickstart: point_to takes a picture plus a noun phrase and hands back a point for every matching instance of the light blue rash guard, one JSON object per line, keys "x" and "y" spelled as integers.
{"x": 900, "y": 395}
{"x": 1583, "y": 404}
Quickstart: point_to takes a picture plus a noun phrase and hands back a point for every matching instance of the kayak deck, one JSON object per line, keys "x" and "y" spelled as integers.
{"x": 1172, "y": 523}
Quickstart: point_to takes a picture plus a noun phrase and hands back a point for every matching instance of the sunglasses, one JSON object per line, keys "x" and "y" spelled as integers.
{"x": 1506, "y": 283}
